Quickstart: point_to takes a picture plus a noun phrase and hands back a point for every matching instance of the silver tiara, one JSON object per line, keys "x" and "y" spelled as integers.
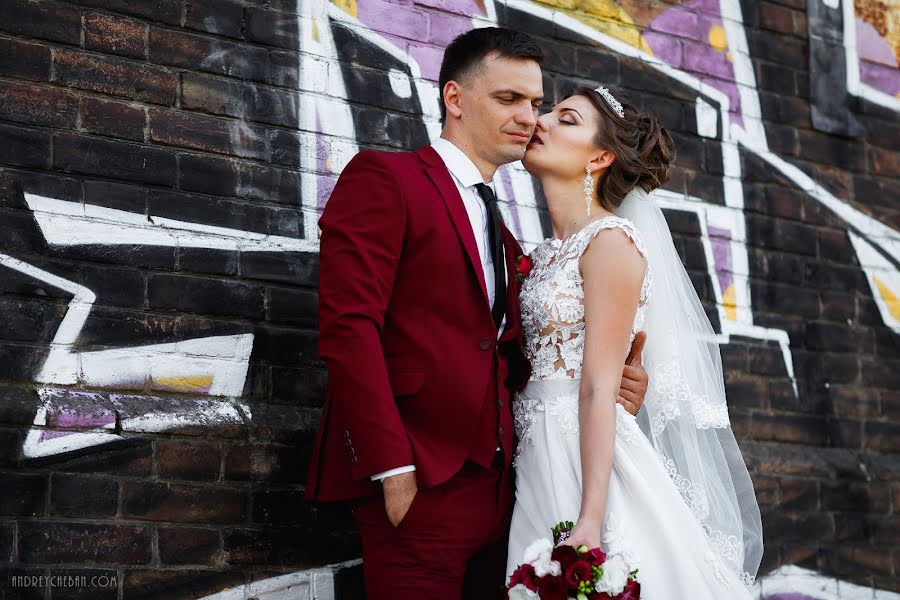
{"x": 613, "y": 103}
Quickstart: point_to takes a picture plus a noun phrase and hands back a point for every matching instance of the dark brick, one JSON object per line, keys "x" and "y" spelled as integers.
{"x": 114, "y": 35}
{"x": 55, "y": 543}
{"x": 17, "y": 405}
{"x": 834, "y": 277}
{"x": 165, "y": 11}
{"x": 89, "y": 584}
{"x": 113, "y": 119}
{"x": 188, "y": 546}
{"x": 208, "y": 174}
{"x": 886, "y": 530}
{"x": 881, "y": 373}
{"x": 34, "y": 105}
{"x": 294, "y": 307}
{"x": 268, "y": 546}
{"x": 750, "y": 393}
{"x": 835, "y": 245}
{"x": 181, "y": 503}
{"x": 7, "y": 542}
{"x": 112, "y": 158}
{"x": 209, "y": 134}
{"x": 211, "y": 211}
{"x": 850, "y": 560}
{"x": 294, "y": 268}
{"x": 280, "y": 507}
{"x": 284, "y": 69}
{"x": 210, "y": 55}
{"x": 779, "y": 527}
{"x": 24, "y": 147}
{"x": 771, "y": 297}
{"x": 115, "y": 76}
{"x": 205, "y": 260}
{"x": 273, "y": 106}
{"x": 301, "y": 387}
{"x": 270, "y": 184}
{"x": 34, "y": 320}
{"x": 221, "y": 17}
{"x": 83, "y": 496}
{"x": 272, "y": 28}
{"x": 830, "y": 150}
{"x": 237, "y": 463}
{"x": 191, "y": 460}
{"x": 25, "y": 60}
{"x": 775, "y": 78}
{"x": 846, "y": 433}
{"x": 205, "y": 296}
{"x": 24, "y": 495}
{"x": 838, "y": 307}
{"x": 882, "y": 162}
{"x": 776, "y": 18}
{"x": 116, "y": 195}
{"x": 285, "y": 147}
{"x": 799, "y": 494}
{"x": 803, "y": 429}
{"x": 849, "y": 527}
{"x": 44, "y": 20}
{"x": 883, "y": 436}
{"x": 211, "y": 94}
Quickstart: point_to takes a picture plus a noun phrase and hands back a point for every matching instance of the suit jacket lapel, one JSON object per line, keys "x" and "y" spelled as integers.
{"x": 440, "y": 176}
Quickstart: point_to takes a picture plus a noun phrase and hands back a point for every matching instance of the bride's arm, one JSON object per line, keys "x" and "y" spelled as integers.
{"x": 613, "y": 271}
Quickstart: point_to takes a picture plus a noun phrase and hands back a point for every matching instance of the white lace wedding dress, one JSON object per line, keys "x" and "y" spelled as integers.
{"x": 647, "y": 517}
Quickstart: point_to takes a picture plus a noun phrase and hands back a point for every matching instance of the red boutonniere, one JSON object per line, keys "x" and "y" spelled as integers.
{"x": 523, "y": 267}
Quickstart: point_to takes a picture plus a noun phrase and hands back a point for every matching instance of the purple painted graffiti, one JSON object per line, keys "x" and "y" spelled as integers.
{"x": 424, "y": 31}
{"x": 877, "y": 64}
{"x": 721, "y": 247}
{"x": 682, "y": 37}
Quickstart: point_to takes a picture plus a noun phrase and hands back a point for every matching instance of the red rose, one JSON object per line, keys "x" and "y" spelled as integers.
{"x": 632, "y": 591}
{"x": 553, "y": 587}
{"x": 565, "y": 556}
{"x": 595, "y": 557}
{"x": 516, "y": 578}
{"x": 599, "y": 596}
{"x": 529, "y": 578}
{"x": 579, "y": 571}
{"x": 523, "y": 267}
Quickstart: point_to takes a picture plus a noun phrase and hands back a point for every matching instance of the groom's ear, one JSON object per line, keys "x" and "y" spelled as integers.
{"x": 451, "y": 98}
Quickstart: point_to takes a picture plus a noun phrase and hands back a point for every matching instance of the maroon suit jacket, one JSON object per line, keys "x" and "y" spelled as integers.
{"x": 405, "y": 327}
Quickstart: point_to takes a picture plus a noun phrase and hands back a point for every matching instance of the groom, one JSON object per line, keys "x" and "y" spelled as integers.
{"x": 421, "y": 333}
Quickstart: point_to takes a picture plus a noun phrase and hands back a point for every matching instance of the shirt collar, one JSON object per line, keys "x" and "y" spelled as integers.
{"x": 459, "y": 165}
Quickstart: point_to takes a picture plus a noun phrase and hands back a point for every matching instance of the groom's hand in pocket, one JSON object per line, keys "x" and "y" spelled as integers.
{"x": 399, "y": 492}
{"x": 635, "y": 380}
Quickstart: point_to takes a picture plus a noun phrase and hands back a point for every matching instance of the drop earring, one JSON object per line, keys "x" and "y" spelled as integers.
{"x": 588, "y": 189}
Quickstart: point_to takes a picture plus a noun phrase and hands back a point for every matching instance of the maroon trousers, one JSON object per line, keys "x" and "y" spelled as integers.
{"x": 451, "y": 545}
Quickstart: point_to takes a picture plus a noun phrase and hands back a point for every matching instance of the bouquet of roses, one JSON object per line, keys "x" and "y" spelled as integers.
{"x": 554, "y": 572}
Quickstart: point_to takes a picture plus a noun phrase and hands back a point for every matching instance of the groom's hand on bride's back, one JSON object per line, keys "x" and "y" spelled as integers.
{"x": 635, "y": 380}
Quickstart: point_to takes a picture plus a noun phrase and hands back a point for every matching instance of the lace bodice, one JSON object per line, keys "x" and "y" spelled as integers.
{"x": 552, "y": 301}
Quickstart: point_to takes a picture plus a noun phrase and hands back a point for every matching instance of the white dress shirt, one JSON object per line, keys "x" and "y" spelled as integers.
{"x": 465, "y": 175}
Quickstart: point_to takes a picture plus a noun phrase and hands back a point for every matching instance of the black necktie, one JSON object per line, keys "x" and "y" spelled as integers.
{"x": 494, "y": 228}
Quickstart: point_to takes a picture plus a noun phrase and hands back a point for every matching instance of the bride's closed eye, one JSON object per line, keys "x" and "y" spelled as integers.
{"x": 564, "y": 122}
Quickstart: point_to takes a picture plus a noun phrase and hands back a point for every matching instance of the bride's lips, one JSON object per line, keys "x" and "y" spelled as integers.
{"x": 535, "y": 140}
{"x": 520, "y": 137}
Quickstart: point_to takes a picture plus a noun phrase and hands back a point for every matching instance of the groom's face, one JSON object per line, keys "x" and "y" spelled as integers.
{"x": 500, "y": 105}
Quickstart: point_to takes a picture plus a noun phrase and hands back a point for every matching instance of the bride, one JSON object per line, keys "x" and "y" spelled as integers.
{"x": 668, "y": 488}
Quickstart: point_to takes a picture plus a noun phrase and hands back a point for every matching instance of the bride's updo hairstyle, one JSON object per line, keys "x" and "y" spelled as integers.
{"x": 644, "y": 149}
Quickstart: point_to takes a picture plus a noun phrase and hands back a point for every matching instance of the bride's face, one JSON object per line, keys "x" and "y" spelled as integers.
{"x": 564, "y": 140}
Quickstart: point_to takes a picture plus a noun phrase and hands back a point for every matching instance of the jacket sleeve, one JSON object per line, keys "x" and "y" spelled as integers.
{"x": 363, "y": 227}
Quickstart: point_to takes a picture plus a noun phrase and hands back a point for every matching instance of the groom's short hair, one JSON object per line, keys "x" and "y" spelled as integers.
{"x": 466, "y": 52}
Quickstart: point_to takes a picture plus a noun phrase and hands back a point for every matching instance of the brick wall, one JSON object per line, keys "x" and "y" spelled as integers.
{"x": 162, "y": 167}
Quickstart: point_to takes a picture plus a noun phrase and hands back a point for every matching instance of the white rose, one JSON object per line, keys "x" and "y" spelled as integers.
{"x": 520, "y": 592}
{"x": 615, "y": 576}
{"x": 537, "y": 547}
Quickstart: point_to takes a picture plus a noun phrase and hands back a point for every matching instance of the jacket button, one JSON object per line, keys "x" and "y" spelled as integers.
{"x": 485, "y": 344}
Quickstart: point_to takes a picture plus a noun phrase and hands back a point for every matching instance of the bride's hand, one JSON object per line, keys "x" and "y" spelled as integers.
{"x": 584, "y": 534}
